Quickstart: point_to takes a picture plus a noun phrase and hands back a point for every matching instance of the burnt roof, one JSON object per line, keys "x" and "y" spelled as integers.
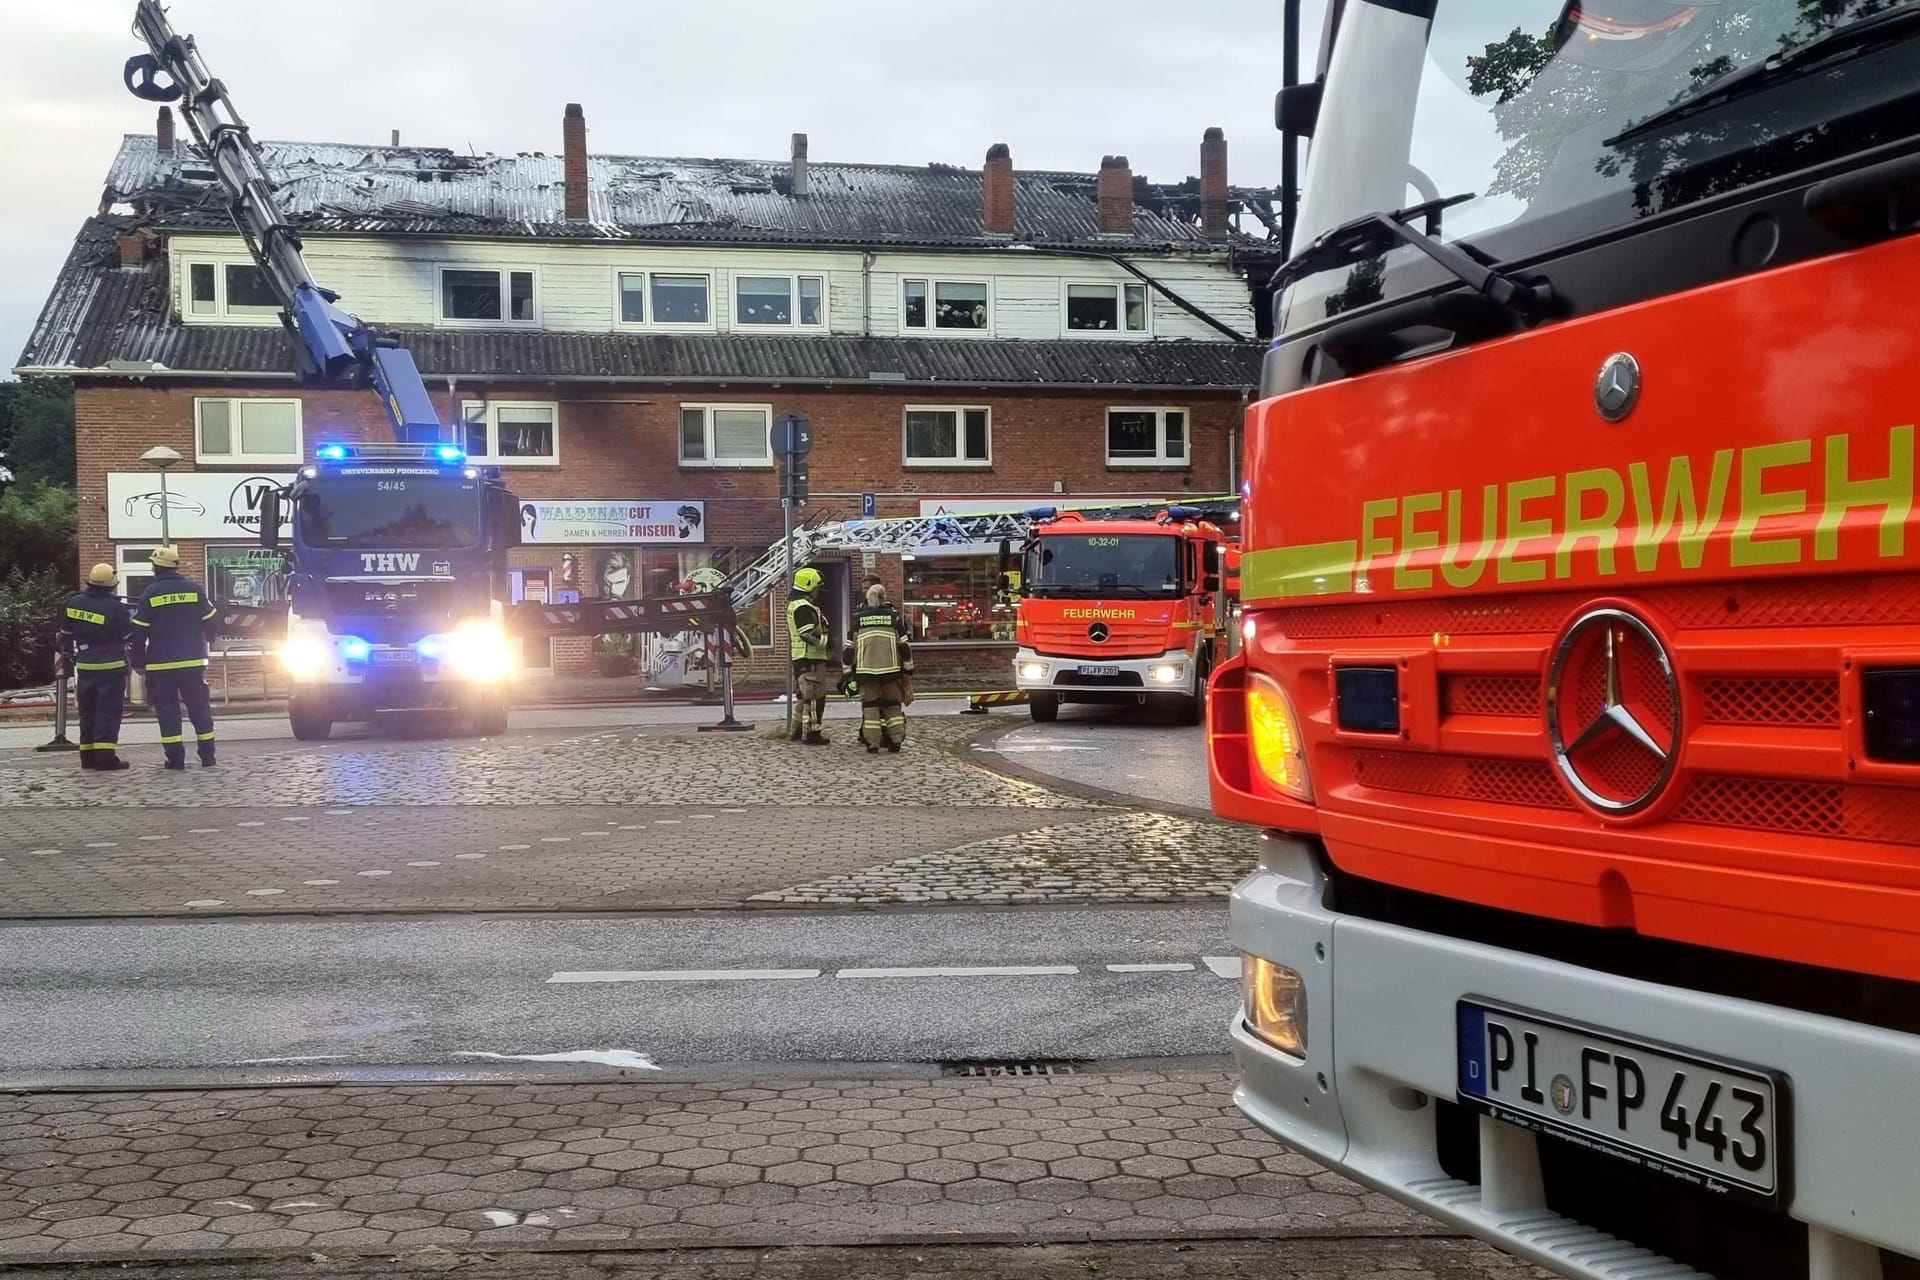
{"x": 118, "y": 320}
{"x": 376, "y": 190}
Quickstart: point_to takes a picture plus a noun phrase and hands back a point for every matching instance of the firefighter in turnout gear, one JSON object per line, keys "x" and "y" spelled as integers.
{"x": 881, "y": 660}
{"x": 173, "y": 622}
{"x": 96, "y": 626}
{"x": 807, "y": 634}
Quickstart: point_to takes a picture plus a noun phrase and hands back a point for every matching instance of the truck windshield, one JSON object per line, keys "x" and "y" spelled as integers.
{"x": 1094, "y": 564}
{"x": 1566, "y": 122}
{"x": 390, "y": 510}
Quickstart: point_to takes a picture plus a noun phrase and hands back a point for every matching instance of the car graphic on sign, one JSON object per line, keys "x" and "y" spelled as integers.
{"x": 158, "y": 502}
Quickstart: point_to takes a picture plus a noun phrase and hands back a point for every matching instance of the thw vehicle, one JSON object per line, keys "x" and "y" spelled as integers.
{"x": 1121, "y": 607}
{"x": 1579, "y": 696}
{"x": 398, "y": 584}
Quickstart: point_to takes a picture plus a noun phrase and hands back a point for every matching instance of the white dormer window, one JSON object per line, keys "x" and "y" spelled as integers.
{"x": 927, "y": 305}
{"x": 488, "y": 295}
{"x": 780, "y": 302}
{"x": 1113, "y": 309}
{"x": 229, "y": 291}
{"x": 665, "y": 299}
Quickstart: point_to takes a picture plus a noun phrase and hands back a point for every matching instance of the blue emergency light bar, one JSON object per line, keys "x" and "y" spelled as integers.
{"x": 331, "y": 452}
{"x": 448, "y": 454}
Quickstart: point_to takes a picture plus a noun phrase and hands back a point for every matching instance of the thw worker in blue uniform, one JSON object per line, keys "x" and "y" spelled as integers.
{"x": 173, "y": 622}
{"x": 96, "y": 625}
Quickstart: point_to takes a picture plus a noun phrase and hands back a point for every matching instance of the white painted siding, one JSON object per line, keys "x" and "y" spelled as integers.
{"x": 395, "y": 283}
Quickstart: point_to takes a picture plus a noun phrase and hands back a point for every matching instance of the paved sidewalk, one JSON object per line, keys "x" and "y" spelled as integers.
{"x": 365, "y": 1169}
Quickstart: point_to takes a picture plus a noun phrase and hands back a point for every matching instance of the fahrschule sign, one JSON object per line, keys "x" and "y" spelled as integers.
{"x": 198, "y": 504}
{"x": 612, "y": 521}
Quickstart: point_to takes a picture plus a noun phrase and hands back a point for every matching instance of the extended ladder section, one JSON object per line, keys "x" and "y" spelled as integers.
{"x": 332, "y": 343}
{"x": 908, "y": 534}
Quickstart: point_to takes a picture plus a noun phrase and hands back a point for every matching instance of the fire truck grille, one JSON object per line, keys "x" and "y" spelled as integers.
{"x": 1811, "y": 701}
{"x": 1522, "y": 782}
{"x": 1489, "y": 696}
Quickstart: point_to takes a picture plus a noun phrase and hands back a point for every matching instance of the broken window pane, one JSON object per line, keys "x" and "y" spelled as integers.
{"x": 1133, "y": 435}
{"x": 740, "y": 435}
{"x": 521, "y": 289}
{"x": 525, "y": 431}
{"x": 813, "y": 297}
{"x": 633, "y": 298}
{"x": 680, "y": 300}
{"x": 931, "y": 435}
{"x": 248, "y": 294}
{"x": 470, "y": 295}
{"x": 1176, "y": 436}
{"x": 693, "y": 435}
{"x": 269, "y": 427}
{"x": 959, "y": 306}
{"x": 1137, "y": 308}
{"x": 1093, "y": 307}
{"x": 762, "y": 300}
{"x": 976, "y": 435}
{"x": 916, "y": 304}
{"x": 216, "y": 418}
{"x": 200, "y": 289}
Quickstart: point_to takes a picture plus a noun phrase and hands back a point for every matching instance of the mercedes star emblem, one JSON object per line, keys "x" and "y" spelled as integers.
{"x": 1618, "y": 388}
{"x": 1613, "y": 712}
{"x": 1097, "y": 633}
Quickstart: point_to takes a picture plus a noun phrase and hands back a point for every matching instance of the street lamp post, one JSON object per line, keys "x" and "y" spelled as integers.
{"x": 160, "y": 458}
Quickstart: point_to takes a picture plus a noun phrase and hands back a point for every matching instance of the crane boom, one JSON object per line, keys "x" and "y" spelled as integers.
{"x": 332, "y": 343}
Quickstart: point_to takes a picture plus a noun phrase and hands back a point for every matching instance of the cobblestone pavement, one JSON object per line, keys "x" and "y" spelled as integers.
{"x": 606, "y": 820}
{"x": 349, "y": 1169}
{"x": 1429, "y": 1258}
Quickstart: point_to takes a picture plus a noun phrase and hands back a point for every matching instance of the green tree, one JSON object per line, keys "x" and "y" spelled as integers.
{"x": 38, "y": 530}
{"x": 36, "y": 429}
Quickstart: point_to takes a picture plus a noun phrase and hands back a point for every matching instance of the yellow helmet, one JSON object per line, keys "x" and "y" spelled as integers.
{"x": 807, "y": 580}
{"x": 166, "y": 557}
{"x": 103, "y": 575}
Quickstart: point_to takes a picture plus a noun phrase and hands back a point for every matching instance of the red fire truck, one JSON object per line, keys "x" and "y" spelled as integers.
{"x": 1579, "y": 698}
{"x": 1123, "y": 606}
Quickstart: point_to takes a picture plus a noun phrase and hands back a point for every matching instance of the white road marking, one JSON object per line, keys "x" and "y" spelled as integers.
{"x": 1149, "y": 968}
{"x": 704, "y": 817}
{"x": 319, "y": 882}
{"x": 238, "y": 1204}
{"x": 967, "y": 971}
{"x": 204, "y": 831}
{"x": 103, "y": 844}
{"x": 250, "y": 824}
{"x": 666, "y": 822}
{"x": 337, "y": 812}
{"x": 505, "y": 847}
{"x": 733, "y": 811}
{"x": 423, "y": 864}
{"x": 556, "y": 839}
{"x": 296, "y": 818}
{"x": 42, "y": 852}
{"x": 156, "y": 837}
{"x": 373, "y": 873}
{"x": 263, "y": 893}
{"x": 469, "y": 857}
{"x": 267, "y": 1062}
{"x": 593, "y": 833}
{"x": 208, "y": 902}
{"x": 609, "y": 1057}
{"x": 1222, "y": 966}
{"x": 501, "y": 1217}
{"x": 681, "y": 975}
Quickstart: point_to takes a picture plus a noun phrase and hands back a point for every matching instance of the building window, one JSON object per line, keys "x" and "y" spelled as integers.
{"x": 948, "y": 436}
{"x": 247, "y": 574}
{"x": 779, "y": 301}
{"x": 246, "y": 430}
{"x": 228, "y": 290}
{"x": 953, "y": 598}
{"x": 1147, "y": 438}
{"x": 944, "y": 304}
{"x": 681, "y": 299}
{"x": 487, "y": 295}
{"x": 134, "y": 561}
{"x": 633, "y": 297}
{"x": 726, "y": 435}
{"x": 1106, "y": 308}
{"x": 512, "y": 434}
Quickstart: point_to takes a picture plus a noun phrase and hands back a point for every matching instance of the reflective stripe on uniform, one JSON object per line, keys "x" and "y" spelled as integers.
{"x": 177, "y": 666}
{"x": 167, "y": 742}
{"x": 98, "y": 746}
{"x": 208, "y": 614}
{"x": 141, "y": 622}
{"x": 203, "y": 737}
{"x": 99, "y": 666}
{"x": 174, "y": 597}
{"x": 81, "y": 615}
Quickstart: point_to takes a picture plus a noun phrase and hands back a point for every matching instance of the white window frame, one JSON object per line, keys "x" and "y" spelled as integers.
{"x": 132, "y": 560}
{"x": 238, "y": 457}
{"x": 220, "y": 314}
{"x": 1119, "y": 288}
{"x": 958, "y": 462}
{"x": 710, "y": 463}
{"x": 1160, "y": 458}
{"x": 646, "y": 274}
{"x": 491, "y": 409}
{"x": 933, "y": 283}
{"x": 506, "y": 296}
{"x": 793, "y": 279}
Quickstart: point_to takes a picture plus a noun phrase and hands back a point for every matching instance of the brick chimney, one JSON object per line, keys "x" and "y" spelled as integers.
{"x": 798, "y": 184}
{"x": 1116, "y": 196}
{"x": 574, "y": 156}
{"x": 996, "y": 190}
{"x": 1213, "y": 182}
{"x": 163, "y": 129}
{"x": 136, "y": 246}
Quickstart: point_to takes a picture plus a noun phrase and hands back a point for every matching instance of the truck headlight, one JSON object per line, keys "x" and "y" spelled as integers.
{"x": 1275, "y": 731}
{"x": 479, "y": 651}
{"x": 1033, "y": 671}
{"x": 305, "y": 657}
{"x": 1275, "y": 1004}
{"x": 1167, "y": 673}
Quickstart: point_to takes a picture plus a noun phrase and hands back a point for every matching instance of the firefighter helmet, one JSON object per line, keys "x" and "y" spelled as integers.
{"x": 807, "y": 580}
{"x": 166, "y": 557}
{"x": 103, "y": 575}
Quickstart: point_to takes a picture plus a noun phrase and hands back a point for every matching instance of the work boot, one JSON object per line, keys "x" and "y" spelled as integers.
{"x": 815, "y": 739}
{"x": 178, "y": 766}
{"x": 86, "y": 760}
{"x": 206, "y": 762}
{"x": 894, "y": 747}
{"x": 872, "y": 750}
{"x": 110, "y": 764}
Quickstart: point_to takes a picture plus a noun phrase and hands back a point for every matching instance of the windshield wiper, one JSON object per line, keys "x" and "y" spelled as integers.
{"x": 1891, "y": 24}
{"x": 1374, "y": 233}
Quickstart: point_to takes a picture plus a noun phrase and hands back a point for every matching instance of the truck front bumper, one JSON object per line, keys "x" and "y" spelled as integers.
{"x": 1380, "y": 1047}
{"x": 1035, "y": 672}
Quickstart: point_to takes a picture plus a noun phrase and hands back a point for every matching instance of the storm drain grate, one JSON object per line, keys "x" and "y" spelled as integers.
{"x": 1030, "y": 1067}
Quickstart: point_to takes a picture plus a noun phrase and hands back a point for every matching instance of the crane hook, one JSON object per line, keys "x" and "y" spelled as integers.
{"x": 145, "y": 67}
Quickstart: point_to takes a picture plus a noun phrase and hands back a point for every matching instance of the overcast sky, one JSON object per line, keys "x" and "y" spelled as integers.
{"x": 1063, "y": 82}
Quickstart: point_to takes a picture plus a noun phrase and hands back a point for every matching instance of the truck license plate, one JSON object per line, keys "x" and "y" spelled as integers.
{"x": 1100, "y": 671}
{"x": 1703, "y": 1121}
{"x": 394, "y": 657}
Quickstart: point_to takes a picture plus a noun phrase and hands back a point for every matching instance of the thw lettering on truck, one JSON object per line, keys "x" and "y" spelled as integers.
{"x": 1768, "y": 506}
{"x": 390, "y": 561}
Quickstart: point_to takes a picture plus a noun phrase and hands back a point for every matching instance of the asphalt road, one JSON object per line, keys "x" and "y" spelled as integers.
{"x": 480, "y": 991}
{"x": 1119, "y": 749}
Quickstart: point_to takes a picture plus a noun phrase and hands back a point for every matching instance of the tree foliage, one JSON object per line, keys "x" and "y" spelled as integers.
{"x": 36, "y": 429}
